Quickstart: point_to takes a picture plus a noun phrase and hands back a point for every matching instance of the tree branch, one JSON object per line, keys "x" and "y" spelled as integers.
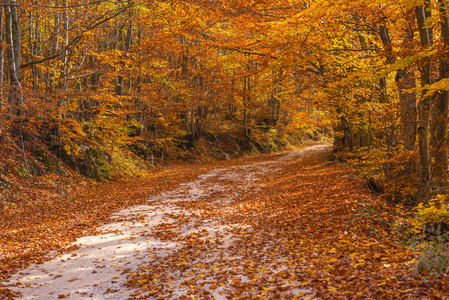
{"x": 75, "y": 40}
{"x": 88, "y": 74}
{"x": 79, "y": 5}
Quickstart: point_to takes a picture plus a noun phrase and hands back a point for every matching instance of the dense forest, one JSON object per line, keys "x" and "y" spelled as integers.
{"x": 89, "y": 82}
{"x": 98, "y": 85}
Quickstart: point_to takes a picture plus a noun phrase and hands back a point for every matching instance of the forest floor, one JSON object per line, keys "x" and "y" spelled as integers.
{"x": 283, "y": 226}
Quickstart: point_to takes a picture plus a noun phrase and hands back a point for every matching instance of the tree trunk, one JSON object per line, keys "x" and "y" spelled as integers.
{"x": 405, "y": 80}
{"x": 347, "y": 131}
{"x": 2, "y": 58}
{"x": 12, "y": 33}
{"x": 439, "y": 136}
{"x": 246, "y": 125}
{"x": 66, "y": 53}
{"x": 32, "y": 45}
{"x": 424, "y": 109}
{"x": 246, "y": 100}
{"x": 440, "y": 118}
{"x": 13, "y": 42}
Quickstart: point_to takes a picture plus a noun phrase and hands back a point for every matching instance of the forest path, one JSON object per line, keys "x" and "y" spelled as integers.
{"x": 275, "y": 229}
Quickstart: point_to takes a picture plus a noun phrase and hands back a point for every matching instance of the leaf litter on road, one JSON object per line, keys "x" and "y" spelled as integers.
{"x": 281, "y": 227}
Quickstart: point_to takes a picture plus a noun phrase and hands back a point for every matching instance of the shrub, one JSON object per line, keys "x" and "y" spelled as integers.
{"x": 435, "y": 260}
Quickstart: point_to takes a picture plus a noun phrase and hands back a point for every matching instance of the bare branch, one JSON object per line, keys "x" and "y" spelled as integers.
{"x": 88, "y": 74}
{"x": 349, "y": 49}
{"x": 80, "y": 4}
{"x": 75, "y": 40}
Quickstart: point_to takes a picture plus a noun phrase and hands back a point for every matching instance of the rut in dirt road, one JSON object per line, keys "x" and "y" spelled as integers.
{"x": 155, "y": 234}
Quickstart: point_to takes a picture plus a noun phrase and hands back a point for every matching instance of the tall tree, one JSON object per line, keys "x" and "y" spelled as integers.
{"x": 440, "y": 110}
{"x": 424, "y": 108}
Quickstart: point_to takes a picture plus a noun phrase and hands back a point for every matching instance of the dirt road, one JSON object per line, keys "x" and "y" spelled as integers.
{"x": 282, "y": 228}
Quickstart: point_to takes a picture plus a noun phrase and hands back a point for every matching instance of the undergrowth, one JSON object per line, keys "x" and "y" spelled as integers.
{"x": 47, "y": 167}
{"x": 434, "y": 262}
{"x": 424, "y": 226}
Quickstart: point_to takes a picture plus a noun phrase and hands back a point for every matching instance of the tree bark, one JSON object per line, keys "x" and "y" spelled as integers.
{"x": 12, "y": 35}
{"x": 440, "y": 110}
{"x": 13, "y": 41}
{"x": 2, "y": 58}
{"x": 424, "y": 108}
{"x": 405, "y": 80}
